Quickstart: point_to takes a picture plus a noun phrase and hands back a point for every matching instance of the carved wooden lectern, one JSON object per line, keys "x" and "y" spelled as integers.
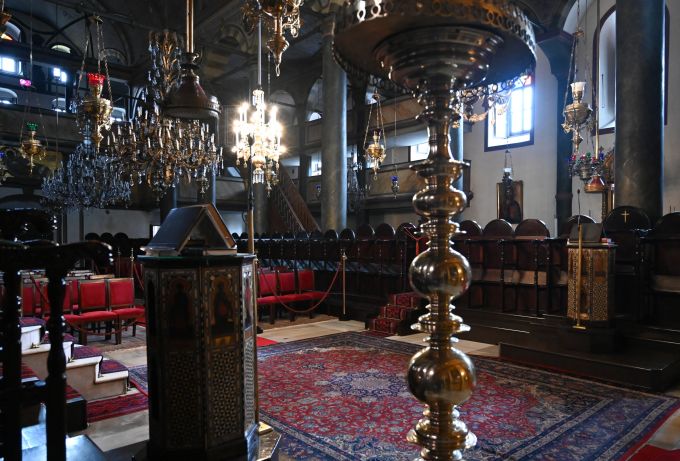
{"x": 200, "y": 341}
{"x": 595, "y": 299}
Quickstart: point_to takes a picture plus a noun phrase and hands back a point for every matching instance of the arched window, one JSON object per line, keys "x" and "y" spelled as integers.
{"x": 607, "y": 80}
{"x": 59, "y": 105}
{"x": 12, "y": 33}
{"x": 59, "y": 75}
{"x": 604, "y": 48}
{"x": 7, "y": 96}
{"x": 61, "y": 48}
{"x": 119, "y": 114}
{"x": 9, "y": 65}
{"x": 314, "y": 115}
{"x": 512, "y": 124}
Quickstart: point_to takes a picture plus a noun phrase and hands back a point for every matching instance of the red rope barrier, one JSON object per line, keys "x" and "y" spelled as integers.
{"x": 123, "y": 328}
{"x": 138, "y": 276}
{"x": 414, "y": 237}
{"x": 325, "y": 295}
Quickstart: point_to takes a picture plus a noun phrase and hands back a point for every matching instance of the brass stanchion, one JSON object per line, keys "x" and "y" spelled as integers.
{"x": 343, "y": 260}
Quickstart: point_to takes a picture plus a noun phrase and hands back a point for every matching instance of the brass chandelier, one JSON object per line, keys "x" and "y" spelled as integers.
{"x": 280, "y": 16}
{"x": 159, "y": 146}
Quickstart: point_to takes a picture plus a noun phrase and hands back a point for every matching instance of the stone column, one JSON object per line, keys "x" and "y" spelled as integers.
{"x": 334, "y": 139}
{"x": 639, "y": 105}
{"x": 305, "y": 160}
{"x": 558, "y": 51}
{"x": 360, "y": 120}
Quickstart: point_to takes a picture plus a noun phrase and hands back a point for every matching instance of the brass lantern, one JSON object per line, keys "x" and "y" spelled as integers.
{"x": 94, "y": 111}
{"x": 31, "y": 149}
{"x": 376, "y": 151}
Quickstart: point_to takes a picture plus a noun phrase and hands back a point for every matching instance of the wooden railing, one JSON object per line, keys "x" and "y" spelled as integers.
{"x": 291, "y": 206}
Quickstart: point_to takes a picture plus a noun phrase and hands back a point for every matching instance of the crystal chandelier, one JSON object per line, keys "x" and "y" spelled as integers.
{"x": 258, "y": 138}
{"x": 280, "y": 16}
{"x": 93, "y": 112}
{"x": 376, "y": 151}
{"x": 88, "y": 179}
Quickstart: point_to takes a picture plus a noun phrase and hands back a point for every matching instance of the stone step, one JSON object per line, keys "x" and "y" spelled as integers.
{"x": 87, "y": 371}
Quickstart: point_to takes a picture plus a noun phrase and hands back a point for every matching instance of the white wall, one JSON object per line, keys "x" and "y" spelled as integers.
{"x": 234, "y": 221}
{"x": 134, "y": 223}
{"x": 535, "y": 165}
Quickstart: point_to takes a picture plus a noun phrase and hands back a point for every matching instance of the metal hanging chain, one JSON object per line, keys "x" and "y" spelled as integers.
{"x": 572, "y": 59}
{"x": 101, "y": 55}
{"x": 370, "y": 112}
{"x": 85, "y": 48}
{"x": 394, "y": 141}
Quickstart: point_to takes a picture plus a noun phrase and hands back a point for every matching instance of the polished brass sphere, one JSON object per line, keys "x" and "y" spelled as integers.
{"x": 429, "y": 202}
{"x": 446, "y": 376}
{"x": 433, "y": 272}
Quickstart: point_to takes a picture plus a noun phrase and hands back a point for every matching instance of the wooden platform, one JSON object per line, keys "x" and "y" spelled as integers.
{"x": 629, "y": 354}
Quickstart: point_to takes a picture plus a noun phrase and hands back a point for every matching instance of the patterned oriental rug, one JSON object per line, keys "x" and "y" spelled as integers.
{"x": 344, "y": 397}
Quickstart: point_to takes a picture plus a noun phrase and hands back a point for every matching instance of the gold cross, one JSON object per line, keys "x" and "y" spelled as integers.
{"x": 625, "y": 215}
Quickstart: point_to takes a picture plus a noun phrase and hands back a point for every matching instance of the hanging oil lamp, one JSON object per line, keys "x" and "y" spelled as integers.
{"x": 30, "y": 148}
{"x": 376, "y": 151}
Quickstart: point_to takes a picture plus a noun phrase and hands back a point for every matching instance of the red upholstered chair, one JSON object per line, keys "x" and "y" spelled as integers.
{"x": 121, "y": 301}
{"x": 92, "y": 304}
{"x": 44, "y": 299}
{"x": 307, "y": 286}
{"x": 268, "y": 290}
{"x": 287, "y": 291}
{"x": 28, "y": 304}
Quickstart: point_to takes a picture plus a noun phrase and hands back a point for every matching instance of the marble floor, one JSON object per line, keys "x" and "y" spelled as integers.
{"x": 126, "y": 430}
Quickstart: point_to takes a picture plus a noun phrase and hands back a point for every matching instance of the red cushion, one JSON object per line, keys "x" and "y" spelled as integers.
{"x": 267, "y": 284}
{"x": 312, "y": 295}
{"x": 92, "y": 316}
{"x": 306, "y": 280}
{"x": 287, "y": 282}
{"x": 291, "y": 298}
{"x": 129, "y": 312}
{"x": 266, "y": 300}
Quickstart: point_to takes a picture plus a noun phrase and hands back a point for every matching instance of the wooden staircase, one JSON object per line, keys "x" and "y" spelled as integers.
{"x": 291, "y": 207}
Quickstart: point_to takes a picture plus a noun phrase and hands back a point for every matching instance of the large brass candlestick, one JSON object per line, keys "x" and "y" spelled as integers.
{"x": 436, "y": 49}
